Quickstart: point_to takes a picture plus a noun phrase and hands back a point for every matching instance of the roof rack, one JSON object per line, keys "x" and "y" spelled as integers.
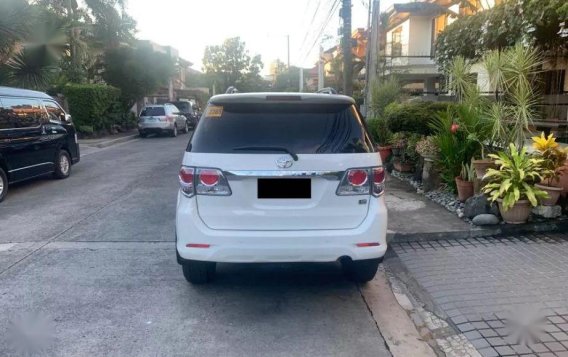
{"x": 232, "y": 90}
{"x": 327, "y": 90}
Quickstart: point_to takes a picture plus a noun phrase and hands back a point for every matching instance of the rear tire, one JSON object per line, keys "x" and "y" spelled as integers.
{"x": 62, "y": 165}
{"x": 143, "y": 135}
{"x": 174, "y": 132}
{"x": 361, "y": 271}
{"x": 3, "y": 184}
{"x": 198, "y": 272}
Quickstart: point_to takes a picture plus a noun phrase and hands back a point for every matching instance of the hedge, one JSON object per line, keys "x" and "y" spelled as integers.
{"x": 92, "y": 105}
{"x": 413, "y": 117}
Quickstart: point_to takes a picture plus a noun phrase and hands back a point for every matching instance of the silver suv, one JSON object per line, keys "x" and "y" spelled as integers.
{"x": 160, "y": 119}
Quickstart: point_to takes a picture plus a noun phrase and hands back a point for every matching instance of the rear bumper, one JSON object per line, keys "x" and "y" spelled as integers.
{"x": 155, "y": 127}
{"x": 239, "y": 246}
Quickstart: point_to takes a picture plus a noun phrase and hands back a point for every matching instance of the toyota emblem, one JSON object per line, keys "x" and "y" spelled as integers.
{"x": 284, "y": 162}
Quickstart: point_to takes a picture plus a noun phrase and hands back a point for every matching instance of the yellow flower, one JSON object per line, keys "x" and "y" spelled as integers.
{"x": 541, "y": 143}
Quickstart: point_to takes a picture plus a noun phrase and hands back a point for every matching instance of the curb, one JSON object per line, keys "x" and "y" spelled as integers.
{"x": 500, "y": 230}
{"x": 108, "y": 143}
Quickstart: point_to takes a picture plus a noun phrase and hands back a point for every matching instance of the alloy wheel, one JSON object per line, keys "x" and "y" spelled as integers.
{"x": 64, "y": 164}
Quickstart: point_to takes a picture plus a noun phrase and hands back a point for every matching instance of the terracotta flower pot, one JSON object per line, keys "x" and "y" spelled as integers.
{"x": 403, "y": 166}
{"x": 384, "y": 152}
{"x": 553, "y": 194}
{"x": 481, "y": 167}
{"x": 517, "y": 214}
{"x": 465, "y": 189}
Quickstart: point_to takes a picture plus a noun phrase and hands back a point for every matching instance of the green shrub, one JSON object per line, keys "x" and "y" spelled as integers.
{"x": 379, "y": 131}
{"x": 384, "y": 93}
{"x": 85, "y": 129}
{"x": 413, "y": 117}
{"x": 92, "y": 104}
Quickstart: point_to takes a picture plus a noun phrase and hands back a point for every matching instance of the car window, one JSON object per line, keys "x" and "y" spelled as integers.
{"x": 173, "y": 109}
{"x": 21, "y": 113}
{"x": 183, "y": 107}
{"x": 152, "y": 111}
{"x": 54, "y": 111}
{"x": 300, "y": 128}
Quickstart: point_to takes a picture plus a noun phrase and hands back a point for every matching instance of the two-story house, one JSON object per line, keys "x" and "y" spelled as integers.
{"x": 411, "y": 35}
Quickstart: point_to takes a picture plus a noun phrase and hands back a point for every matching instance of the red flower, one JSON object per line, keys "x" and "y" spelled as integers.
{"x": 454, "y": 128}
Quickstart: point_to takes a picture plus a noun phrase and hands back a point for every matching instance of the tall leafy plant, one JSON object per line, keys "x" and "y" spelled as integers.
{"x": 456, "y": 146}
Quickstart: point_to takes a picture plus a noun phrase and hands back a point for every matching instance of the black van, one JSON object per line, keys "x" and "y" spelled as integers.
{"x": 36, "y": 137}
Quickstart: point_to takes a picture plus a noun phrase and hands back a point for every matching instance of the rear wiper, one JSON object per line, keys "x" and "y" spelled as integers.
{"x": 267, "y": 148}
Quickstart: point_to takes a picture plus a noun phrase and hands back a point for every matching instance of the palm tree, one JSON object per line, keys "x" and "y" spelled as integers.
{"x": 14, "y": 17}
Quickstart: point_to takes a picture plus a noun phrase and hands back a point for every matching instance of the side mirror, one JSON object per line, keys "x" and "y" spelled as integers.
{"x": 68, "y": 118}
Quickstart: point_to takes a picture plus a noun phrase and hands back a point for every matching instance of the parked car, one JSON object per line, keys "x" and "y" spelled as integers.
{"x": 37, "y": 137}
{"x": 281, "y": 178}
{"x": 160, "y": 119}
{"x": 188, "y": 110}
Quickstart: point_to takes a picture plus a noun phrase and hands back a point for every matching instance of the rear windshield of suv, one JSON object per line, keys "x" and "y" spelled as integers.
{"x": 182, "y": 106}
{"x": 300, "y": 128}
{"x": 153, "y": 112}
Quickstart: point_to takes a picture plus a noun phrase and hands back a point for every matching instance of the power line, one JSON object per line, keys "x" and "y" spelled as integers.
{"x": 309, "y": 28}
{"x": 323, "y": 28}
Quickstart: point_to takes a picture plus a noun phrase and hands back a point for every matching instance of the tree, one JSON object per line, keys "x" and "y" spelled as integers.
{"x": 288, "y": 80}
{"x": 229, "y": 64}
{"x": 34, "y": 60}
{"x": 14, "y": 27}
{"x": 137, "y": 71}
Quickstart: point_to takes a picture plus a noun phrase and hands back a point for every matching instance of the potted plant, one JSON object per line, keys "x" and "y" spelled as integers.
{"x": 398, "y": 142}
{"x": 427, "y": 148}
{"x": 382, "y": 136}
{"x": 553, "y": 159}
{"x": 512, "y": 185}
{"x": 464, "y": 182}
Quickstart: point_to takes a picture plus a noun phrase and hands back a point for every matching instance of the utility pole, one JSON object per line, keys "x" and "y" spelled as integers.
{"x": 320, "y": 69}
{"x": 347, "y": 48}
{"x": 301, "y": 79}
{"x": 373, "y": 49}
{"x": 288, "y": 40}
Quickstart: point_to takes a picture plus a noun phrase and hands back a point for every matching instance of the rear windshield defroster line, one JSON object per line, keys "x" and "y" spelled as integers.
{"x": 300, "y": 128}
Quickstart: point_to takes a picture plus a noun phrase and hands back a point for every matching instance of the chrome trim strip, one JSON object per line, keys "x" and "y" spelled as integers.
{"x": 239, "y": 175}
{"x": 29, "y": 167}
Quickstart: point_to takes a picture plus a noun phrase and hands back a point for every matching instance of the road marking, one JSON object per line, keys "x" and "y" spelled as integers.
{"x": 6, "y": 246}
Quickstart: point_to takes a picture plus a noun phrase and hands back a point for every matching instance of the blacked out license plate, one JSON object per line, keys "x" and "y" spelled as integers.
{"x": 284, "y": 188}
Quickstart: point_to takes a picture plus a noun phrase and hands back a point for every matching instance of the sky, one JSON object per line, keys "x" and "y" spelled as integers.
{"x": 191, "y": 25}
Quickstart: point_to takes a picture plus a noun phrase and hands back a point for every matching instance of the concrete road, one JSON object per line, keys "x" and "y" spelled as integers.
{"x": 87, "y": 268}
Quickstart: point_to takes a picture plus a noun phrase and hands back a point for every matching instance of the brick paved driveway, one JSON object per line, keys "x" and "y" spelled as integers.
{"x": 509, "y": 296}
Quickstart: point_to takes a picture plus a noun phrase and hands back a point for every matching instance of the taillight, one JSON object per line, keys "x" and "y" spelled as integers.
{"x": 208, "y": 177}
{"x": 212, "y": 182}
{"x": 186, "y": 180}
{"x": 379, "y": 175}
{"x": 357, "y": 177}
{"x": 203, "y": 181}
{"x": 362, "y": 181}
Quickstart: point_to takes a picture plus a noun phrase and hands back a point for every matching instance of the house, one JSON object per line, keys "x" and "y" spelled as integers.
{"x": 411, "y": 37}
{"x": 409, "y": 53}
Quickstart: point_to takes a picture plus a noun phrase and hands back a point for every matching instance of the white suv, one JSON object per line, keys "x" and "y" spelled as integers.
{"x": 281, "y": 178}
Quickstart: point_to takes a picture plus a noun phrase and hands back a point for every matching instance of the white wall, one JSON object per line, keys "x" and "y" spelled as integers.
{"x": 420, "y": 39}
{"x": 482, "y": 78}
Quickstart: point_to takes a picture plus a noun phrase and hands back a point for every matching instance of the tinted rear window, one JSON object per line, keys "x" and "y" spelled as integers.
{"x": 300, "y": 128}
{"x": 182, "y": 106}
{"x": 152, "y": 112}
